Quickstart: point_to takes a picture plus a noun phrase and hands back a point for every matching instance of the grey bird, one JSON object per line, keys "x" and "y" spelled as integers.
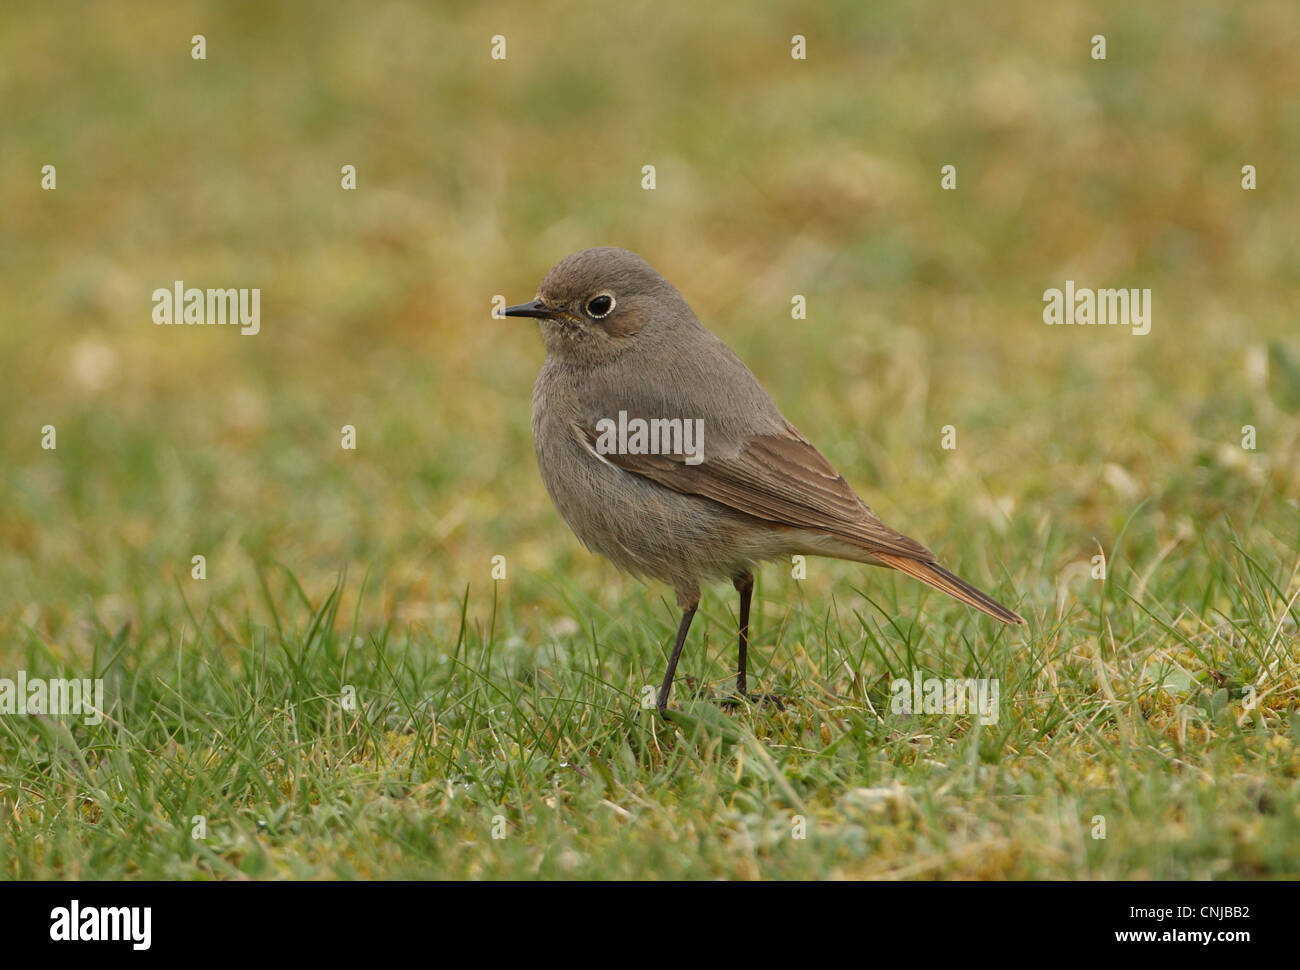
{"x": 622, "y": 344}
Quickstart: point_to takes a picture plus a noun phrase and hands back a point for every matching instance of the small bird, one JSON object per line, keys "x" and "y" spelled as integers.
{"x": 665, "y": 455}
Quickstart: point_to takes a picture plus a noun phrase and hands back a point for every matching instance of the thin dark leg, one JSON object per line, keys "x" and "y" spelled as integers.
{"x": 688, "y": 613}
{"x": 745, "y": 586}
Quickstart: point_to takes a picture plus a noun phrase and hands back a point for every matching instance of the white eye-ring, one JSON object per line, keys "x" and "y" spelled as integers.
{"x": 600, "y": 306}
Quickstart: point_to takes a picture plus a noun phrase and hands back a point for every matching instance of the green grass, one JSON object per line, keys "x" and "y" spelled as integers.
{"x": 367, "y": 573}
{"x": 490, "y": 727}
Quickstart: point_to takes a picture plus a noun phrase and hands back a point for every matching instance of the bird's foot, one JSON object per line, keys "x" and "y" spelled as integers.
{"x": 700, "y": 691}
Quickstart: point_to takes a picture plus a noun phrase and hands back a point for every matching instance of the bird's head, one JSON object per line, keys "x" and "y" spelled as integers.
{"x": 599, "y": 303}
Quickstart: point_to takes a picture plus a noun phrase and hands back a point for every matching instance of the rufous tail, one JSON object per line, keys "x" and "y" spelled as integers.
{"x": 932, "y": 574}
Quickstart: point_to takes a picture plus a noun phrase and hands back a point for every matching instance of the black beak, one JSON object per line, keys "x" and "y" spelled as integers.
{"x": 534, "y": 309}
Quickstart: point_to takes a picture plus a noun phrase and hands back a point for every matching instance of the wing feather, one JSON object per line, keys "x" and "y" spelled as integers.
{"x": 777, "y": 477}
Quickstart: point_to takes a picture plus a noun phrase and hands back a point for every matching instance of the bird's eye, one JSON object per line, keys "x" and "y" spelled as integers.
{"x": 600, "y": 306}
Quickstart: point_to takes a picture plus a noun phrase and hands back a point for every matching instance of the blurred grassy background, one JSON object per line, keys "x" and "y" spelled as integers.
{"x": 775, "y": 177}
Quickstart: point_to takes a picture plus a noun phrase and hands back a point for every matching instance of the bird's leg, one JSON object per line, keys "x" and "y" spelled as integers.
{"x": 688, "y": 602}
{"x": 744, "y": 584}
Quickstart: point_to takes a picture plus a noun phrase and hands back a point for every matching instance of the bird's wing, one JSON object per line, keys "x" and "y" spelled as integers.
{"x": 778, "y": 477}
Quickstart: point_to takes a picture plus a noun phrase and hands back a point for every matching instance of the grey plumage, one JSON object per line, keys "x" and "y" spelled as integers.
{"x": 762, "y": 492}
